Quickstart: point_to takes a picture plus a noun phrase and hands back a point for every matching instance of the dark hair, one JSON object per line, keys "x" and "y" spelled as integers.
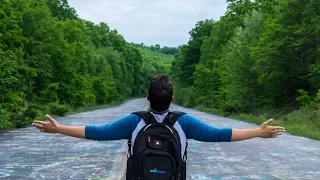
{"x": 160, "y": 93}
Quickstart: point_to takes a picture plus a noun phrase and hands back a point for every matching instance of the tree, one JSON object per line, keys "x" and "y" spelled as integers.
{"x": 61, "y": 9}
{"x": 285, "y": 52}
{"x": 239, "y": 83}
{"x": 189, "y": 55}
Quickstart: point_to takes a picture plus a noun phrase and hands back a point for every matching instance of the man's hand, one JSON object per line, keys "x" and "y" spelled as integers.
{"x": 264, "y": 131}
{"x": 49, "y": 127}
{"x": 53, "y": 127}
{"x": 267, "y": 131}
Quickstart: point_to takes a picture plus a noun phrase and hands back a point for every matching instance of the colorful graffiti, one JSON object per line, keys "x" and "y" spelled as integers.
{"x": 28, "y": 154}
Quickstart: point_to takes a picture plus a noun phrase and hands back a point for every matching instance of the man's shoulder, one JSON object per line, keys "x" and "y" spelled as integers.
{"x": 187, "y": 119}
{"x": 132, "y": 119}
{"x": 178, "y": 113}
{"x": 183, "y": 118}
{"x": 133, "y": 116}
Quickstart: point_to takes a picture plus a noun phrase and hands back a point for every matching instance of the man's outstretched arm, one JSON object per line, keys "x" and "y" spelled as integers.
{"x": 120, "y": 129}
{"x": 52, "y": 126}
{"x": 264, "y": 131}
{"x": 198, "y": 130}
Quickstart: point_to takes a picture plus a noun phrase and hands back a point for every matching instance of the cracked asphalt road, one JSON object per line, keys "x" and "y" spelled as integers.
{"x": 28, "y": 154}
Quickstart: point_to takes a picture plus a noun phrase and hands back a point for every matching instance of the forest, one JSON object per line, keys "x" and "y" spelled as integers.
{"x": 260, "y": 60}
{"x": 52, "y": 61}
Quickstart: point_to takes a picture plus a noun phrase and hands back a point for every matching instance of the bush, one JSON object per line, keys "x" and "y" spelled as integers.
{"x": 19, "y": 120}
{"x": 304, "y": 99}
{"x": 304, "y": 116}
{"x": 4, "y": 119}
{"x": 33, "y": 111}
{"x": 186, "y": 97}
{"x": 58, "y": 109}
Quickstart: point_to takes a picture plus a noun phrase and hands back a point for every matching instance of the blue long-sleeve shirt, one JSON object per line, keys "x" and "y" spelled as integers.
{"x": 191, "y": 128}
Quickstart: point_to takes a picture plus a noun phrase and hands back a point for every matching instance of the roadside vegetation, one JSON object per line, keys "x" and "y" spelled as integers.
{"x": 52, "y": 61}
{"x": 260, "y": 60}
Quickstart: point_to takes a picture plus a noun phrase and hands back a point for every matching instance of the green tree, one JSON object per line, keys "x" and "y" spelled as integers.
{"x": 190, "y": 54}
{"x": 284, "y": 53}
{"x": 61, "y": 9}
{"x": 239, "y": 83}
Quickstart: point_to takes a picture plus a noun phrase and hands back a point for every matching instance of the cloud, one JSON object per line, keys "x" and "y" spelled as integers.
{"x": 164, "y": 22}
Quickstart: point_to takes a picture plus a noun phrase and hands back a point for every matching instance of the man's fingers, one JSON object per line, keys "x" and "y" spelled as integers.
{"x": 41, "y": 123}
{"x": 38, "y": 126}
{"x": 279, "y": 131}
{"x": 37, "y": 122}
{"x": 274, "y": 135}
{"x": 276, "y": 130}
{"x": 44, "y": 123}
{"x": 45, "y": 126}
{"x": 51, "y": 119}
{"x": 271, "y": 131}
{"x": 266, "y": 123}
{"x": 276, "y": 127}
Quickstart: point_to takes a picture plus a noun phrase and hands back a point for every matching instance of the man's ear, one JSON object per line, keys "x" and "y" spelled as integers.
{"x": 172, "y": 98}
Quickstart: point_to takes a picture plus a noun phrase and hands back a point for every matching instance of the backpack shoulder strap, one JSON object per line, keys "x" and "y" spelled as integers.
{"x": 146, "y": 116}
{"x": 172, "y": 117}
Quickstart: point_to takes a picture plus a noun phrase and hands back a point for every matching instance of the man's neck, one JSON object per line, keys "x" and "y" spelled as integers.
{"x": 158, "y": 112}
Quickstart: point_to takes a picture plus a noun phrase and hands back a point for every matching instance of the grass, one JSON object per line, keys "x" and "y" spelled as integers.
{"x": 297, "y": 125}
{"x": 304, "y": 122}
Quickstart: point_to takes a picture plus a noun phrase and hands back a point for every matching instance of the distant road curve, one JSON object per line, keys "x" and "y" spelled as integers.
{"x": 28, "y": 154}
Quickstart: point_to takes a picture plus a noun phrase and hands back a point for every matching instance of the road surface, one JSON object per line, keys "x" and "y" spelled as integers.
{"x": 28, "y": 154}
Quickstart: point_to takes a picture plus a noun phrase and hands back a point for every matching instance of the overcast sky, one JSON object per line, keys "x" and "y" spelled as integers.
{"x": 164, "y": 22}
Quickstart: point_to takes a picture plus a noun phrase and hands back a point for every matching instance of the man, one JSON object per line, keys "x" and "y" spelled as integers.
{"x": 160, "y": 95}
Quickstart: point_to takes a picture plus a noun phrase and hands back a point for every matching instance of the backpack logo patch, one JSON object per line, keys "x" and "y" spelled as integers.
{"x": 157, "y": 143}
{"x": 157, "y": 171}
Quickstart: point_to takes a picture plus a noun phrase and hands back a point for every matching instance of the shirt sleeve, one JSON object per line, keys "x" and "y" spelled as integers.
{"x": 121, "y": 129}
{"x": 200, "y": 131}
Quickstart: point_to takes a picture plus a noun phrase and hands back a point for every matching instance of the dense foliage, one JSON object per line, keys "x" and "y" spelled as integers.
{"x": 261, "y": 56}
{"x": 157, "y": 48}
{"x": 155, "y": 62}
{"x": 52, "y": 61}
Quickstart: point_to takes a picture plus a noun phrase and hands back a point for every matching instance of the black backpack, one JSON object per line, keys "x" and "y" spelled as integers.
{"x": 157, "y": 150}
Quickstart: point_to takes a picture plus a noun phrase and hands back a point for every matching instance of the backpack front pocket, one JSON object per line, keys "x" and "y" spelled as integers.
{"x": 157, "y": 165}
